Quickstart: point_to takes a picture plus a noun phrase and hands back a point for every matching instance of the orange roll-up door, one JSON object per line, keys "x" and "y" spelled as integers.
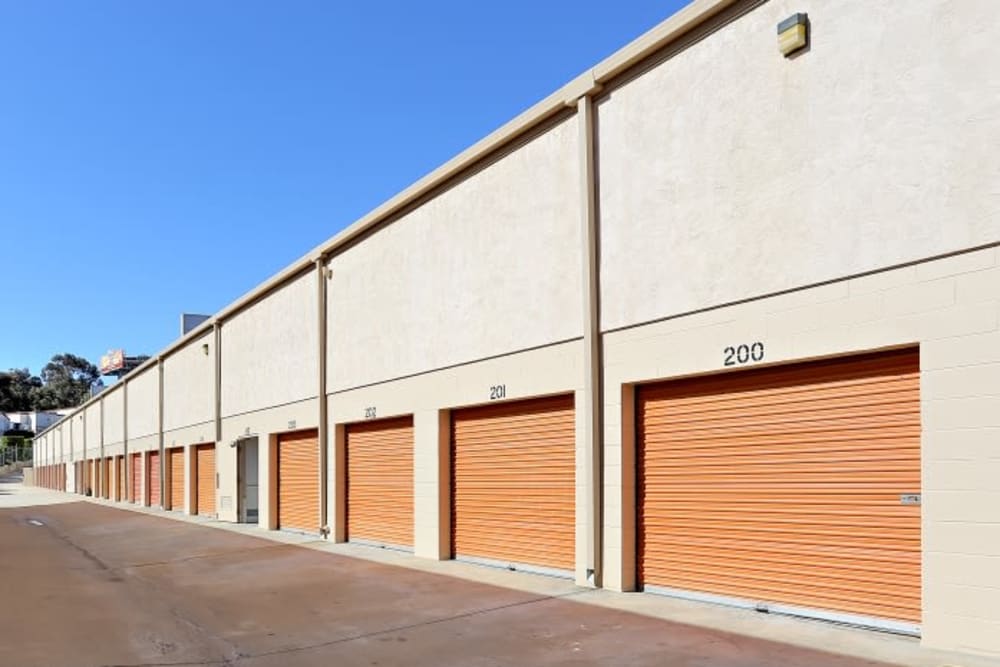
{"x": 175, "y": 459}
{"x": 298, "y": 480}
{"x": 785, "y": 485}
{"x": 153, "y": 477}
{"x": 513, "y": 482}
{"x": 135, "y": 483}
{"x": 205, "y": 462}
{"x": 380, "y": 481}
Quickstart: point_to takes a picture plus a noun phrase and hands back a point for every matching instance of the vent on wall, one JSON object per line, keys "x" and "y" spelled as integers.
{"x": 226, "y": 503}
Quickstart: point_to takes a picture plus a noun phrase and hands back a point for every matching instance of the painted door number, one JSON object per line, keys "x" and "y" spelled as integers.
{"x": 370, "y": 413}
{"x": 743, "y": 354}
{"x": 498, "y": 391}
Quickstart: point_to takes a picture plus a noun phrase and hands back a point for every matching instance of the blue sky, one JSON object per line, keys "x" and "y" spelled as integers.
{"x": 163, "y": 157}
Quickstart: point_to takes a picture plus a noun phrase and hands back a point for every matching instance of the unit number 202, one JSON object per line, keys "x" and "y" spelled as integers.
{"x": 743, "y": 354}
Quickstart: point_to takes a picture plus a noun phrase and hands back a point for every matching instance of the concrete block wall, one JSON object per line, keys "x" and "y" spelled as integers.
{"x": 950, "y": 307}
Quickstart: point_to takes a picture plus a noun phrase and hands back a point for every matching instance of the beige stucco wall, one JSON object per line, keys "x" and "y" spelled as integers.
{"x": 190, "y": 435}
{"x": 730, "y": 172}
{"x": 189, "y": 384}
{"x": 114, "y": 415}
{"x": 114, "y": 449}
{"x": 270, "y": 351}
{"x": 143, "y": 403}
{"x": 951, "y": 308}
{"x": 76, "y": 435}
{"x": 92, "y": 415}
{"x": 144, "y": 443}
{"x": 488, "y": 267}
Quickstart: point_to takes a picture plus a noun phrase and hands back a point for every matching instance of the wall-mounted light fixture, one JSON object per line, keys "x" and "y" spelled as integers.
{"x": 793, "y": 34}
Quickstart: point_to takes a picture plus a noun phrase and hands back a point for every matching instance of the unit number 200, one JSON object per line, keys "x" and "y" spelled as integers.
{"x": 743, "y": 354}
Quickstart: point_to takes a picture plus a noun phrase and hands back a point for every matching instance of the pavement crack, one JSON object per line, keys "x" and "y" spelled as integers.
{"x": 412, "y": 626}
{"x": 186, "y": 559}
{"x": 89, "y": 555}
{"x": 344, "y": 640}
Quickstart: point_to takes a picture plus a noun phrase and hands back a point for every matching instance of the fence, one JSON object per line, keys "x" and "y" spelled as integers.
{"x": 15, "y": 449}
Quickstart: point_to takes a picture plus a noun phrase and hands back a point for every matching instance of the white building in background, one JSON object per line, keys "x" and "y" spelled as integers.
{"x": 33, "y": 421}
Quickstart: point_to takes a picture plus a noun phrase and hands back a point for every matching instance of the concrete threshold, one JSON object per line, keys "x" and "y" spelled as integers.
{"x": 882, "y": 647}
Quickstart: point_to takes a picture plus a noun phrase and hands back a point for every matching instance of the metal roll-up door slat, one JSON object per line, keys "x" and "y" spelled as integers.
{"x": 135, "y": 471}
{"x": 153, "y": 477}
{"x": 298, "y": 481}
{"x": 175, "y": 459}
{"x": 513, "y": 482}
{"x": 783, "y": 486}
{"x": 380, "y": 481}
{"x": 205, "y": 462}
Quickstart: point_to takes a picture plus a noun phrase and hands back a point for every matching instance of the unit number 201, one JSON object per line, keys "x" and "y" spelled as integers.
{"x": 743, "y": 354}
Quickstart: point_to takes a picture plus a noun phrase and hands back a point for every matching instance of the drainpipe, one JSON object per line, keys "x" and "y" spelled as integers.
{"x": 323, "y": 435}
{"x": 159, "y": 429}
{"x": 593, "y": 435}
{"x": 126, "y": 493}
{"x": 83, "y": 441}
{"x": 217, "y": 341}
{"x": 100, "y": 463}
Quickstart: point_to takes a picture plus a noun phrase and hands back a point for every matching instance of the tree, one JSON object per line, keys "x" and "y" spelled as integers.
{"x": 66, "y": 382}
{"x": 17, "y": 390}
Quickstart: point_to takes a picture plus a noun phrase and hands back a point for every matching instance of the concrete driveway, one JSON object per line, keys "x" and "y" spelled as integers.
{"x": 86, "y": 584}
